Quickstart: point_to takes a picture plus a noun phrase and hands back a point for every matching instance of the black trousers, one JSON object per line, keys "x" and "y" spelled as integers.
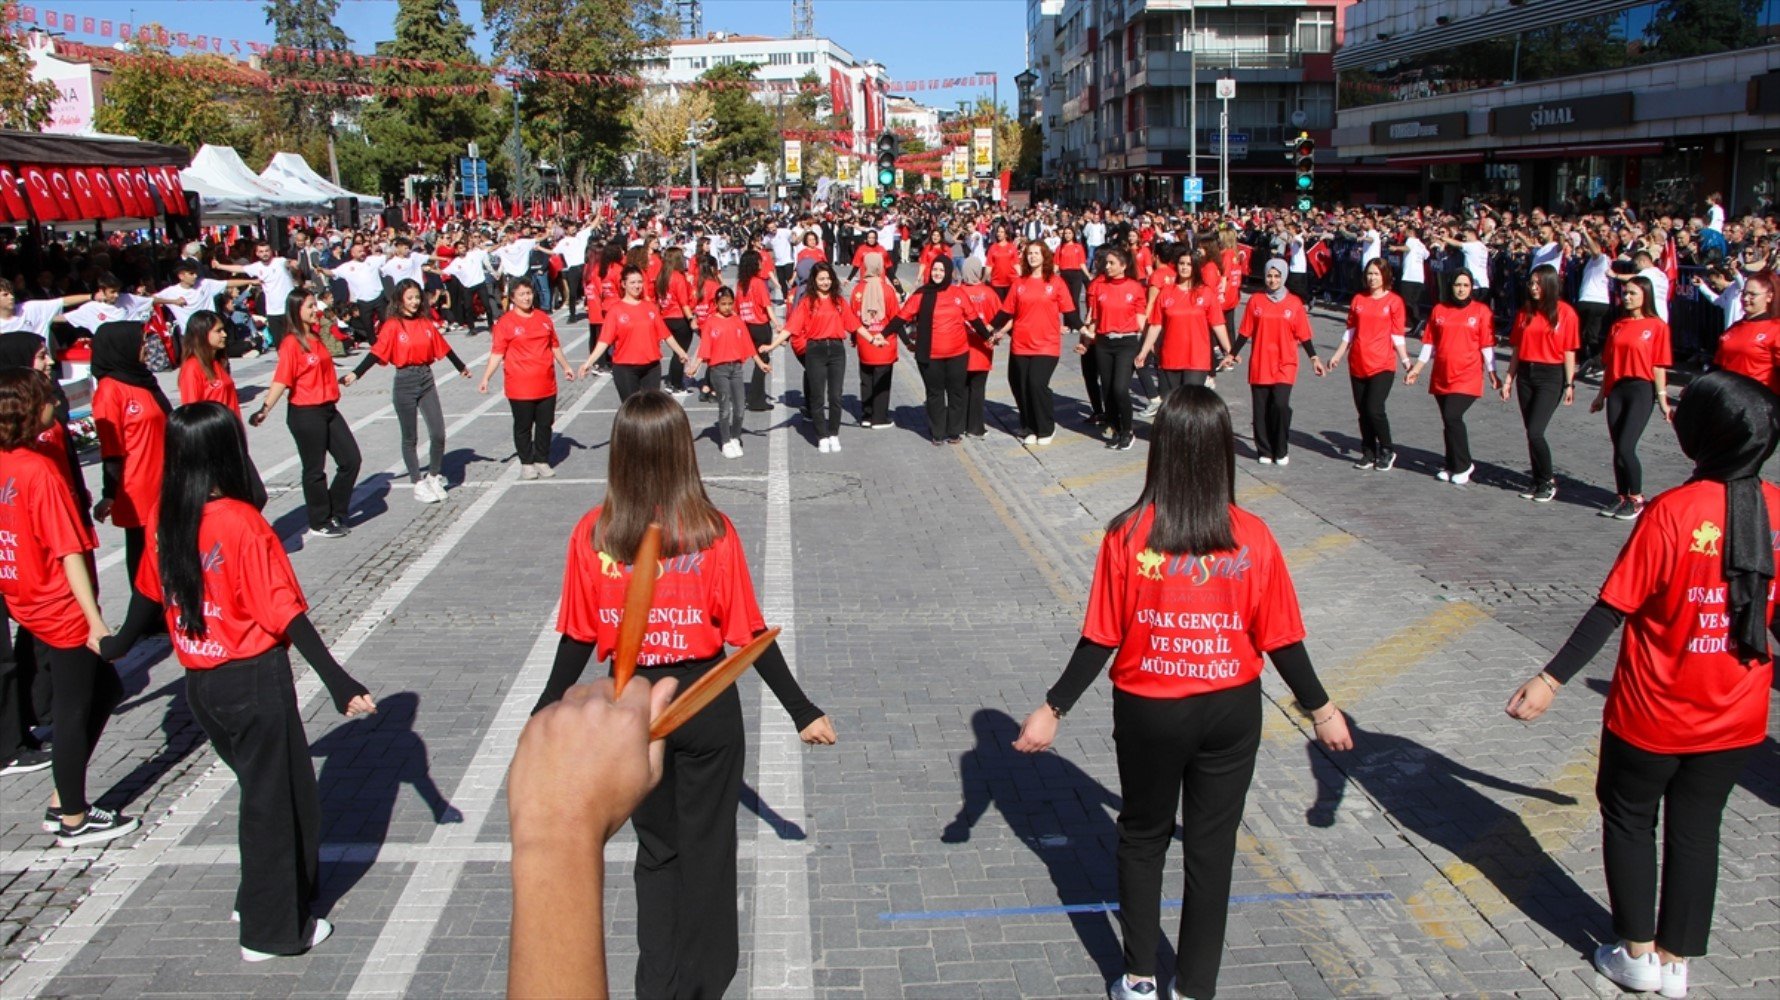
{"x": 682, "y": 330}
{"x": 763, "y": 335}
{"x": 631, "y": 379}
{"x": 1273, "y": 419}
{"x": 248, "y": 708}
{"x": 366, "y": 314}
{"x": 1452, "y": 423}
{"x": 572, "y": 277}
{"x": 944, "y": 379}
{"x": 1692, "y": 790}
{"x": 460, "y": 311}
{"x": 1174, "y": 378}
{"x": 687, "y": 935}
{"x": 321, "y": 431}
{"x": 976, "y": 400}
{"x": 532, "y": 420}
{"x": 491, "y": 307}
{"x": 874, "y": 393}
{"x": 1592, "y": 319}
{"x": 1147, "y": 381}
{"x": 824, "y": 367}
{"x": 1628, "y": 413}
{"x": 1411, "y": 294}
{"x": 1029, "y": 379}
{"x": 18, "y": 678}
{"x": 1298, "y": 283}
{"x": 1370, "y": 394}
{"x": 1091, "y": 379}
{"x": 1115, "y": 357}
{"x": 87, "y": 689}
{"x": 135, "y": 544}
{"x": 1191, "y": 758}
{"x": 1539, "y": 389}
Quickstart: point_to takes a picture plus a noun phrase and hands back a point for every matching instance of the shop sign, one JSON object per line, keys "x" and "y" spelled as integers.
{"x": 1428, "y": 128}
{"x": 1605, "y": 111}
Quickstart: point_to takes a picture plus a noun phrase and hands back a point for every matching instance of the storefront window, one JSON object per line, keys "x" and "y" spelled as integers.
{"x": 1671, "y": 180}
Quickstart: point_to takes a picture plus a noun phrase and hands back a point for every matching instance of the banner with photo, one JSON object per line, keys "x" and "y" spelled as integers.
{"x": 793, "y": 160}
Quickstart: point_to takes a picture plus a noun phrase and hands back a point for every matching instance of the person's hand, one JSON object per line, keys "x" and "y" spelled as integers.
{"x": 569, "y": 374}
{"x": 483, "y": 387}
{"x": 465, "y": 373}
{"x": 1662, "y": 403}
{"x": 258, "y": 418}
{"x": 586, "y": 762}
{"x": 1333, "y": 364}
{"x": 581, "y": 372}
{"x": 1316, "y": 365}
{"x": 348, "y": 378}
{"x": 1332, "y": 730}
{"x": 361, "y": 704}
{"x": 1599, "y": 404}
{"x": 1531, "y": 699}
{"x": 1142, "y": 357}
{"x": 1039, "y": 731}
{"x": 97, "y": 633}
{"x": 1506, "y": 390}
{"x": 1569, "y": 395}
{"x": 1412, "y": 374}
{"x": 819, "y": 733}
{"x": 102, "y": 510}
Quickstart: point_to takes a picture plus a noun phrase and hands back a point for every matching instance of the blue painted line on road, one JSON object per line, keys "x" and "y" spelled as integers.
{"x": 1112, "y": 907}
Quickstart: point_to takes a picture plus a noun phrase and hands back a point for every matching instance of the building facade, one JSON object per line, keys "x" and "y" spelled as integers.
{"x": 1560, "y": 103}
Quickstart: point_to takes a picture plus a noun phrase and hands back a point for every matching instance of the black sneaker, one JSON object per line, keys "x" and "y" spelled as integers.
{"x": 1629, "y": 509}
{"x": 1546, "y": 493}
{"x": 329, "y": 530}
{"x": 1612, "y": 509}
{"x": 26, "y": 762}
{"x": 1366, "y": 463}
{"x": 52, "y": 819}
{"x": 100, "y": 826}
{"x": 1387, "y": 460}
{"x": 1126, "y": 441}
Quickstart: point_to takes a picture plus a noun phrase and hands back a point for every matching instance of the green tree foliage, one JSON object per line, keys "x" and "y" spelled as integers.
{"x": 163, "y": 99}
{"x": 1683, "y": 28}
{"x": 299, "y": 120}
{"x": 746, "y": 132}
{"x": 24, "y": 103}
{"x": 428, "y": 132}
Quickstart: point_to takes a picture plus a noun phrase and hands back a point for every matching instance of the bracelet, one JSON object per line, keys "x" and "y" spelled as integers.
{"x": 1314, "y": 721}
{"x": 1553, "y": 685}
{"x": 1058, "y": 712}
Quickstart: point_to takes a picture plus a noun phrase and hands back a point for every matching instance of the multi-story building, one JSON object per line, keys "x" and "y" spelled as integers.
{"x": 1043, "y": 104}
{"x": 920, "y": 119}
{"x": 1564, "y": 102}
{"x": 1138, "y": 85}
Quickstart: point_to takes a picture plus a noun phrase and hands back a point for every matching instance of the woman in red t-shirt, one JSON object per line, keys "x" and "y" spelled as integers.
{"x": 875, "y": 301}
{"x": 219, "y": 578}
{"x": 981, "y": 355}
{"x": 818, "y": 327}
{"x": 1035, "y": 311}
{"x": 306, "y": 371}
{"x": 1278, "y": 324}
{"x": 1190, "y": 592}
{"x": 754, "y": 304}
{"x": 1376, "y": 320}
{"x": 130, "y": 415}
{"x": 633, "y": 331}
{"x": 704, "y": 601}
{"x": 47, "y": 579}
{"x": 1688, "y": 702}
{"x": 525, "y": 343}
{"x": 1113, "y": 336}
{"x": 935, "y": 322}
{"x": 673, "y": 292}
{"x": 1460, "y": 339}
{"x": 1635, "y": 362}
{"x": 1752, "y": 346}
{"x": 1545, "y": 338}
{"x": 204, "y": 376}
{"x": 1183, "y": 320}
{"x": 1001, "y": 260}
{"x": 410, "y": 340}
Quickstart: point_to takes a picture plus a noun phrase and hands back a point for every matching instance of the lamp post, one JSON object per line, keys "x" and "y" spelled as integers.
{"x": 695, "y": 133}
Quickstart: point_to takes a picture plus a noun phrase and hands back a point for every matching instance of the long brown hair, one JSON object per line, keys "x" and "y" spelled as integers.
{"x": 1048, "y": 266}
{"x": 673, "y": 260}
{"x": 652, "y": 475}
{"x": 197, "y": 343}
{"x": 24, "y": 392}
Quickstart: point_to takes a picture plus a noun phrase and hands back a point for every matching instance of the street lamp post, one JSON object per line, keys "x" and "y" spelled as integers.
{"x": 694, "y": 139}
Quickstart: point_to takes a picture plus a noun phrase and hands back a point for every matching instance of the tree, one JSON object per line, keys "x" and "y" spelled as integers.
{"x": 1682, "y": 28}
{"x": 302, "y": 120}
{"x": 427, "y": 132}
{"x": 24, "y": 103}
{"x": 660, "y": 121}
{"x": 745, "y": 133}
{"x": 162, "y": 99}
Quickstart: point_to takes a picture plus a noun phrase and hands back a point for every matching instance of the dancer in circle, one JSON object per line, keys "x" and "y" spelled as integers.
{"x": 1037, "y": 308}
{"x": 818, "y": 326}
{"x": 1688, "y": 702}
{"x": 1635, "y": 362}
{"x": 1113, "y": 335}
{"x": 204, "y": 376}
{"x": 411, "y": 341}
{"x": 130, "y": 415}
{"x": 725, "y": 348}
{"x": 935, "y": 323}
{"x": 673, "y": 291}
{"x": 687, "y": 933}
{"x": 875, "y": 302}
{"x": 1278, "y": 324}
{"x": 981, "y": 355}
{"x": 1460, "y": 339}
{"x": 754, "y": 304}
{"x": 1376, "y": 322}
{"x": 219, "y": 579}
{"x": 1752, "y": 345}
{"x": 1185, "y": 570}
{"x": 633, "y": 331}
{"x": 1184, "y": 318}
{"x": 306, "y": 371}
{"x": 1545, "y": 339}
{"x": 526, "y": 348}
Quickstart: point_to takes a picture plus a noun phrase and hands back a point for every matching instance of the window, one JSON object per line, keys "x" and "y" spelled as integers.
{"x": 781, "y": 58}
{"x": 694, "y": 62}
{"x": 1316, "y": 31}
{"x": 806, "y": 58}
{"x": 723, "y": 60}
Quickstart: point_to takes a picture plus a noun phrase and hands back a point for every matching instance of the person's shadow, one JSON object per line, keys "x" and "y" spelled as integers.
{"x": 1432, "y": 795}
{"x": 369, "y": 793}
{"x": 1059, "y": 811}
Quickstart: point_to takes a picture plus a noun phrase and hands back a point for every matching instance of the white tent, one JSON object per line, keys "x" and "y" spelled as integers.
{"x": 230, "y": 192}
{"x": 293, "y": 171}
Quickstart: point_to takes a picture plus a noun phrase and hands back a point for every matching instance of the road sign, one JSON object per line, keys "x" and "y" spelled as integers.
{"x": 1238, "y": 144}
{"x": 470, "y": 166}
{"x": 472, "y": 174}
{"x": 1226, "y": 89}
{"x": 1192, "y": 189}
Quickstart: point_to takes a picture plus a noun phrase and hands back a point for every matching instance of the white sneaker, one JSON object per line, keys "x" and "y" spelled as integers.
{"x": 321, "y": 933}
{"x": 544, "y": 470}
{"x": 1047, "y": 439}
{"x": 823, "y": 445}
{"x": 528, "y": 472}
{"x": 1461, "y": 478}
{"x": 1444, "y": 476}
{"x": 1283, "y": 460}
{"x": 1674, "y": 980}
{"x": 1029, "y": 439}
{"x": 425, "y": 492}
{"x": 1640, "y": 975}
{"x": 834, "y": 444}
{"x": 1264, "y": 460}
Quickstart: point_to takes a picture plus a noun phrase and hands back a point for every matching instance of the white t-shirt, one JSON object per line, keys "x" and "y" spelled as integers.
{"x": 95, "y": 314}
{"x": 1550, "y": 253}
{"x": 1594, "y": 280}
{"x": 1415, "y": 260}
{"x": 35, "y": 316}
{"x": 362, "y": 280}
{"x": 783, "y": 252}
{"x": 1477, "y": 261}
{"x": 1094, "y": 234}
{"x": 574, "y": 248}
{"x": 201, "y": 295}
{"x": 406, "y": 268}
{"x": 1715, "y": 217}
{"x": 1660, "y": 282}
{"x": 1373, "y": 247}
{"x": 1296, "y": 258}
{"x": 1730, "y": 302}
{"x": 275, "y": 281}
{"x": 515, "y": 257}
{"x": 469, "y": 268}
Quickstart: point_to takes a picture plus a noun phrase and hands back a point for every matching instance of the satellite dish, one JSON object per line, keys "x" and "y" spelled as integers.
{"x": 1299, "y": 118}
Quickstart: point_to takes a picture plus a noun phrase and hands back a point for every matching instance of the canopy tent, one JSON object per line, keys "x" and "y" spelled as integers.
{"x": 80, "y": 179}
{"x": 293, "y": 170}
{"x": 232, "y": 193}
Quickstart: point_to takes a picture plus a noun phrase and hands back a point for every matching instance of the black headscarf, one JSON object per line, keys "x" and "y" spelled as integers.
{"x": 19, "y": 350}
{"x": 930, "y": 291}
{"x": 1729, "y": 424}
{"x": 117, "y": 354}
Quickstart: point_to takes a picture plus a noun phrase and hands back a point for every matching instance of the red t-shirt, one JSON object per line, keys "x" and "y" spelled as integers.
{"x": 132, "y": 427}
{"x": 635, "y": 330}
{"x": 1459, "y": 336}
{"x": 678, "y": 299}
{"x": 951, "y": 315}
{"x": 929, "y": 254}
{"x": 987, "y": 304}
{"x": 1374, "y": 322}
{"x": 1677, "y": 685}
{"x": 251, "y": 592}
{"x": 1070, "y": 257}
{"x": 1635, "y": 348}
{"x": 1233, "y": 263}
{"x": 869, "y": 354}
{"x": 407, "y": 342}
{"x": 1038, "y": 305}
{"x": 610, "y": 281}
{"x": 1116, "y": 306}
{"x": 723, "y": 339}
{"x": 818, "y": 318}
{"x": 309, "y": 374}
{"x": 1275, "y": 329}
{"x": 1752, "y": 348}
{"x": 1537, "y": 340}
{"x": 1186, "y": 316}
{"x": 703, "y": 600}
{"x": 527, "y": 345}
{"x": 39, "y": 525}
{"x": 1003, "y": 261}
{"x": 53, "y": 445}
{"x": 1187, "y": 625}
{"x": 754, "y": 303}
{"x": 197, "y": 387}
{"x": 707, "y": 299}
{"x": 1163, "y": 276}
{"x": 869, "y": 250}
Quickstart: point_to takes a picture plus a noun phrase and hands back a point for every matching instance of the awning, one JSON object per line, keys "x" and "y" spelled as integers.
{"x": 1434, "y": 159}
{"x": 88, "y": 151}
{"x": 1552, "y": 152}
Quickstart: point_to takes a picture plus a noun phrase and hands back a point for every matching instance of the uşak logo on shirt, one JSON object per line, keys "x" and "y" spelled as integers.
{"x": 1198, "y": 570}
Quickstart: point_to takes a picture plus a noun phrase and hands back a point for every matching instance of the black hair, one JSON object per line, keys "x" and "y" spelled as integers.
{"x": 1546, "y": 277}
{"x": 206, "y": 456}
{"x": 1191, "y": 477}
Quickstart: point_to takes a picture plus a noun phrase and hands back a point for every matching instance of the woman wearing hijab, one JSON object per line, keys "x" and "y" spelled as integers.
{"x": 1689, "y": 697}
{"x": 935, "y": 323}
{"x": 130, "y": 414}
{"x": 1278, "y": 322}
{"x": 875, "y": 301}
{"x": 981, "y": 357}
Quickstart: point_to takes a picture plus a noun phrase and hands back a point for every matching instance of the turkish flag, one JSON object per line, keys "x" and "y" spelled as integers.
{"x": 63, "y": 192}
{"x": 43, "y": 200}
{"x": 492, "y": 208}
{"x": 166, "y": 179}
{"x": 131, "y": 200}
{"x": 109, "y": 202}
{"x": 85, "y": 198}
{"x": 1319, "y": 258}
{"x": 12, "y": 199}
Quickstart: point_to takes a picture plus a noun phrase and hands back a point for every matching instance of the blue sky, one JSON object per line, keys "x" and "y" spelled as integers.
{"x": 915, "y": 39}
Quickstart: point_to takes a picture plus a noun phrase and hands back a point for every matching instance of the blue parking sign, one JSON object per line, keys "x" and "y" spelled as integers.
{"x": 1193, "y": 189}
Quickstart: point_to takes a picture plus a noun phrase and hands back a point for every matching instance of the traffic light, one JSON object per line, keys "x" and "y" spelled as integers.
{"x": 887, "y": 148}
{"x": 1304, "y": 158}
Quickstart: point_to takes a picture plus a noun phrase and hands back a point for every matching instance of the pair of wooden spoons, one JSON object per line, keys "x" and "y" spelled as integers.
{"x": 635, "y": 624}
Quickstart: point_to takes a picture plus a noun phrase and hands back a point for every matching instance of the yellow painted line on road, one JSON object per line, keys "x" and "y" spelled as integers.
{"x": 1332, "y": 961}
{"x": 1024, "y": 540}
{"x": 1315, "y": 549}
{"x": 1254, "y": 491}
{"x": 1086, "y": 479}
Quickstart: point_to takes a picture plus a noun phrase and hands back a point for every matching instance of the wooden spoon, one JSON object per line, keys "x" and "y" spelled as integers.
{"x": 707, "y": 688}
{"x": 637, "y": 600}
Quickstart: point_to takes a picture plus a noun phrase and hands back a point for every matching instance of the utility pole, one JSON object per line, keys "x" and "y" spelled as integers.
{"x": 695, "y": 137}
{"x": 1192, "y": 88}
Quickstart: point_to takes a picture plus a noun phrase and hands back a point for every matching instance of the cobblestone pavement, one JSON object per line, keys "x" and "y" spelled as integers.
{"x": 930, "y": 597}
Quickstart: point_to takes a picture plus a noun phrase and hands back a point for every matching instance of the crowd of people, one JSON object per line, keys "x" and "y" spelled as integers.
{"x": 1158, "y": 306}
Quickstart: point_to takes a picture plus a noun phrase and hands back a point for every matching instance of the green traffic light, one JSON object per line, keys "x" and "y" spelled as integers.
{"x": 1305, "y": 204}
{"x": 1305, "y": 181}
